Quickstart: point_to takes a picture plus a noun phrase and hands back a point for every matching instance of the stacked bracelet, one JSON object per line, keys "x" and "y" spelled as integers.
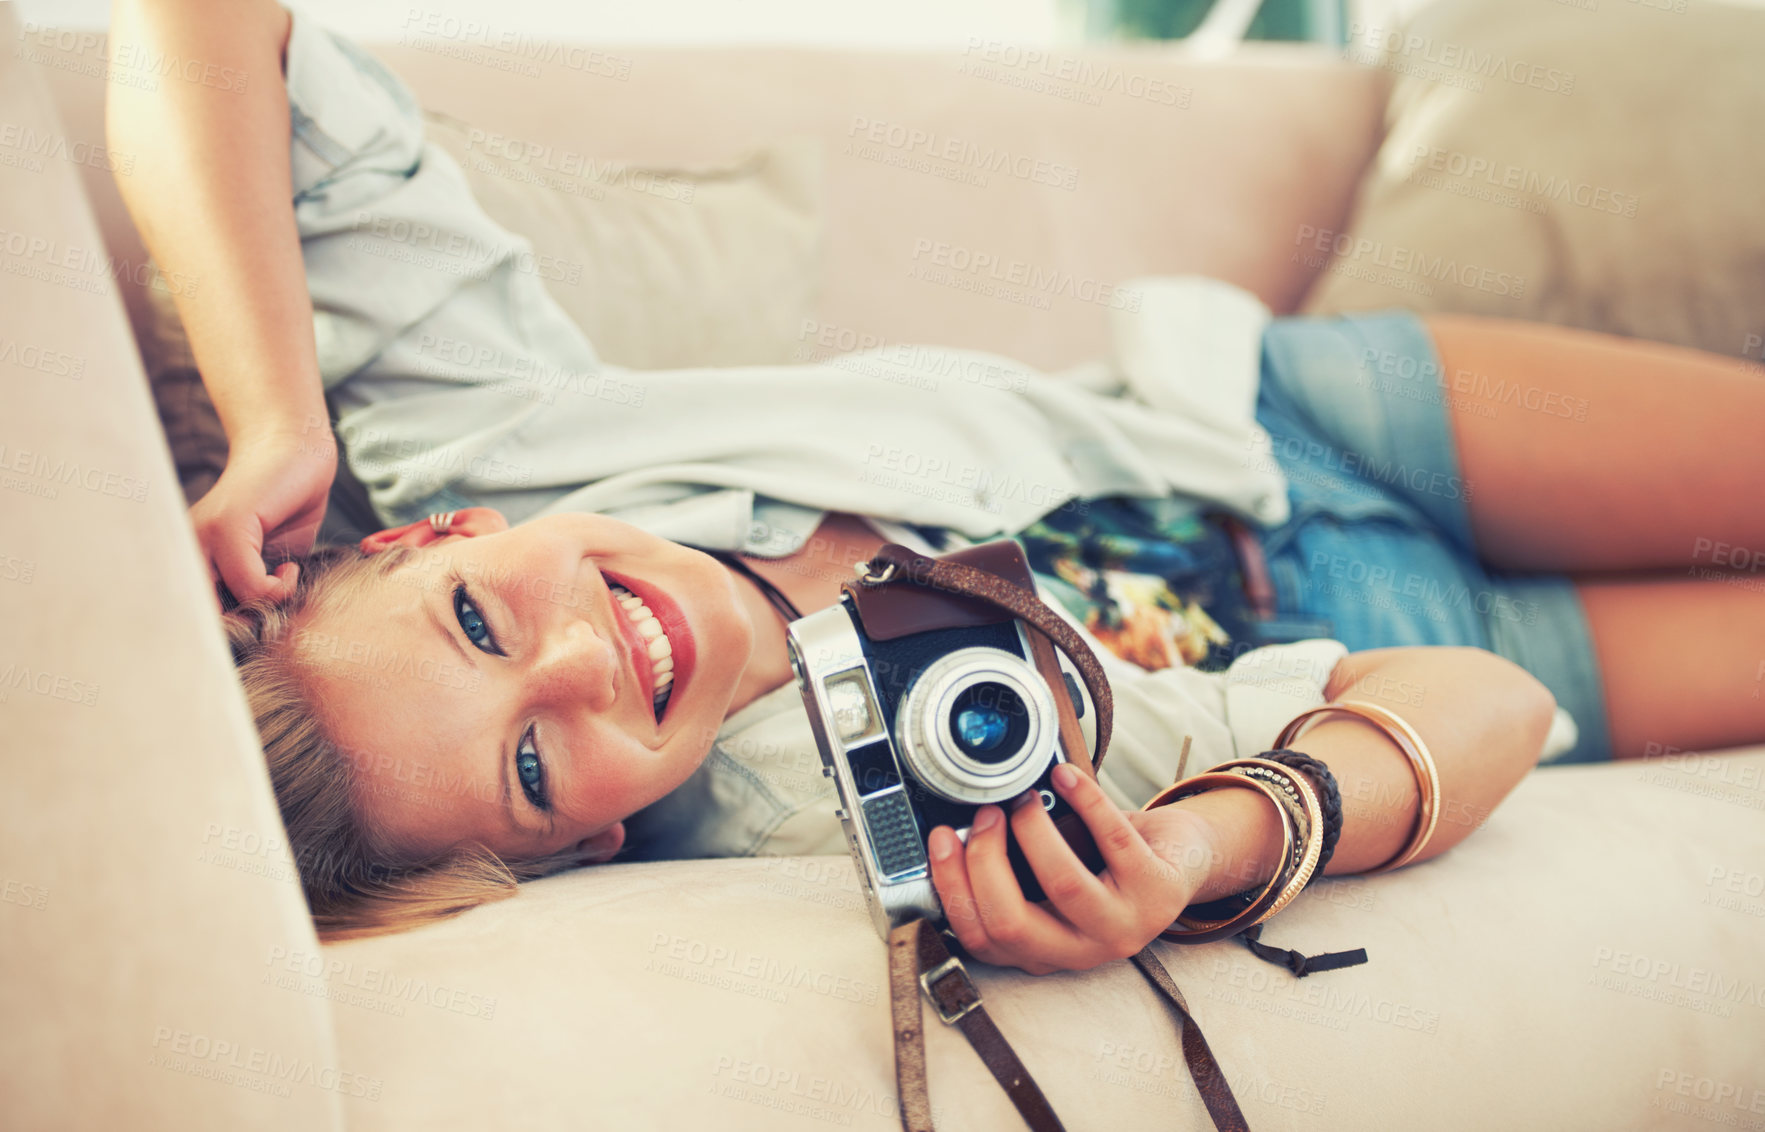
{"x": 1310, "y": 806}
{"x": 1302, "y": 833}
{"x": 1255, "y": 907}
{"x": 1304, "y": 814}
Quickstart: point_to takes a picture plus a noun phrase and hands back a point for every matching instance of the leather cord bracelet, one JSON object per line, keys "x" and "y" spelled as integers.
{"x": 1329, "y": 799}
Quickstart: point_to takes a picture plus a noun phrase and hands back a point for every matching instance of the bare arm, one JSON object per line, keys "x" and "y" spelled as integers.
{"x": 1484, "y": 720}
{"x": 211, "y": 196}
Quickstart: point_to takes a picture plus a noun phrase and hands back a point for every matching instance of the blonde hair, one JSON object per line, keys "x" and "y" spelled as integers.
{"x": 356, "y": 884}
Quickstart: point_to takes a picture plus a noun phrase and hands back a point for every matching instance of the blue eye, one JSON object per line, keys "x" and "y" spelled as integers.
{"x": 477, "y": 630}
{"x": 531, "y": 772}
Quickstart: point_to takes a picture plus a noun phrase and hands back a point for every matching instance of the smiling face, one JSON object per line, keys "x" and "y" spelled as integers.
{"x": 497, "y": 688}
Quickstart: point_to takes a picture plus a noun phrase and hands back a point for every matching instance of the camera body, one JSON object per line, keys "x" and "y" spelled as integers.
{"x": 927, "y": 705}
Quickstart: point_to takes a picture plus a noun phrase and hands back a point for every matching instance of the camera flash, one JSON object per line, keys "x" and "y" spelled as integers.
{"x": 848, "y": 699}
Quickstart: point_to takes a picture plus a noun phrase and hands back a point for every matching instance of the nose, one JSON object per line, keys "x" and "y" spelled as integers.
{"x": 575, "y": 665}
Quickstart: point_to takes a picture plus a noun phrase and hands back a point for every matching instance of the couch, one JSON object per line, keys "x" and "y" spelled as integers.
{"x": 1589, "y": 959}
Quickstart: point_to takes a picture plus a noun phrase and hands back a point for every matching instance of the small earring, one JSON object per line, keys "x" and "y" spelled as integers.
{"x": 440, "y": 523}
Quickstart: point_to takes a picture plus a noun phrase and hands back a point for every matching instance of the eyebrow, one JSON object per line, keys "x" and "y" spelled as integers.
{"x": 499, "y": 758}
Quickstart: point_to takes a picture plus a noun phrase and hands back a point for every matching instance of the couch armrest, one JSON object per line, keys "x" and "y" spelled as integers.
{"x": 144, "y": 891}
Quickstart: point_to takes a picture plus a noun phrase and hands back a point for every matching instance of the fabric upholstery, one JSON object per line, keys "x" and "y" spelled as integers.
{"x": 1560, "y": 163}
{"x": 146, "y": 883}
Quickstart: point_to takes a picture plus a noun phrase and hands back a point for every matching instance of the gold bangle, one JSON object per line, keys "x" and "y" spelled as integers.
{"x": 1414, "y": 750}
{"x": 1309, "y": 809}
{"x": 1201, "y": 783}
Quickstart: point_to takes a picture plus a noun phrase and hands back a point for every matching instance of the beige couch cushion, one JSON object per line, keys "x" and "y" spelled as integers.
{"x": 1588, "y": 960}
{"x": 663, "y": 268}
{"x": 1593, "y": 165}
{"x": 146, "y": 885}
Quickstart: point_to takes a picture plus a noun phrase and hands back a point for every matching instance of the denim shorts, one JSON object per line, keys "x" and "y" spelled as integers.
{"x": 1378, "y": 549}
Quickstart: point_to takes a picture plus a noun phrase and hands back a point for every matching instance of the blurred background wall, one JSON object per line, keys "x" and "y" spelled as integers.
{"x": 851, "y": 23}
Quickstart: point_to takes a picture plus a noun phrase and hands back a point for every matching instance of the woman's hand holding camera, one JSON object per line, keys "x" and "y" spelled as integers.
{"x": 1157, "y": 860}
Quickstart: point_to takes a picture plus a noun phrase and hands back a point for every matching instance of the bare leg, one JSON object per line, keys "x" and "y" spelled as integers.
{"x": 1665, "y": 465}
{"x": 1682, "y": 660}
{"x": 1591, "y": 453}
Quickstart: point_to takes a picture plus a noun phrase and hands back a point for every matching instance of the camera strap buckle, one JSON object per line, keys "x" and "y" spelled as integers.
{"x": 916, "y": 947}
{"x": 964, "y": 994}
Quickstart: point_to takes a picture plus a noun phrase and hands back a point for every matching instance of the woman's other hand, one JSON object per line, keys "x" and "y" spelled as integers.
{"x": 212, "y": 195}
{"x": 1155, "y": 863}
{"x": 271, "y": 496}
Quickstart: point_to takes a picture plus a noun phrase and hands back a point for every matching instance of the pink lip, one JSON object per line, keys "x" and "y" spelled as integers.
{"x": 674, "y": 624}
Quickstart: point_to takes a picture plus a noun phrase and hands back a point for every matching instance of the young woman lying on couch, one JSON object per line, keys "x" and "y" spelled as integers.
{"x": 459, "y": 702}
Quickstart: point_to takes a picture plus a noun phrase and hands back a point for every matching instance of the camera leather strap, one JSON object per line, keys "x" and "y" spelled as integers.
{"x": 919, "y": 960}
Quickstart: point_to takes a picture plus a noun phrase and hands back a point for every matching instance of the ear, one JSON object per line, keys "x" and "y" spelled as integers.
{"x": 603, "y": 845}
{"x": 467, "y": 523}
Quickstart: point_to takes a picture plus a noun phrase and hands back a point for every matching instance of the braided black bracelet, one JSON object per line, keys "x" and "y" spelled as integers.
{"x": 1330, "y": 802}
{"x": 1329, "y": 799}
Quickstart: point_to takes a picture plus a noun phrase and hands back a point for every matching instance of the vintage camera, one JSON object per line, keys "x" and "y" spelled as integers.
{"x": 928, "y": 704}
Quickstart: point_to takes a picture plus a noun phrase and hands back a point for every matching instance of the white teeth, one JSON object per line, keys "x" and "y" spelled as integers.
{"x": 661, "y": 650}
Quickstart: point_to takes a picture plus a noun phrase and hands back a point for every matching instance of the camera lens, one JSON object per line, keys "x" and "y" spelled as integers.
{"x": 976, "y": 725}
{"x": 989, "y": 722}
